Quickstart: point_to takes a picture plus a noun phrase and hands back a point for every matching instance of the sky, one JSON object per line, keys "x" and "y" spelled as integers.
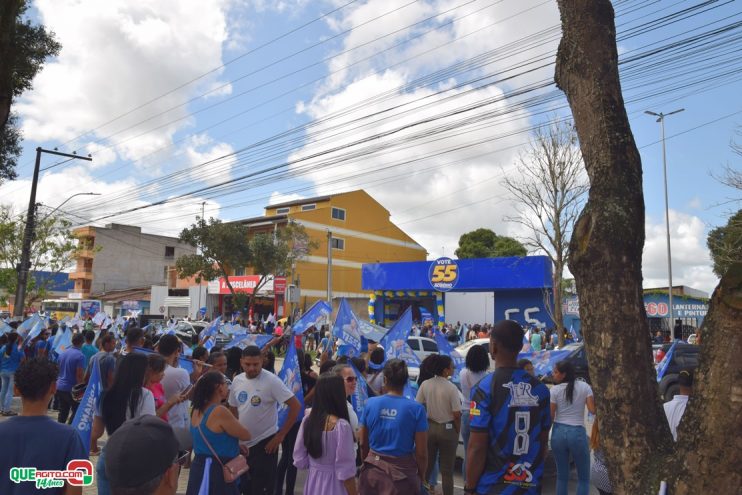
{"x": 231, "y": 105}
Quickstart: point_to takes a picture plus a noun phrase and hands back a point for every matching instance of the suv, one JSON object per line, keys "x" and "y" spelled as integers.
{"x": 685, "y": 356}
{"x": 422, "y": 346}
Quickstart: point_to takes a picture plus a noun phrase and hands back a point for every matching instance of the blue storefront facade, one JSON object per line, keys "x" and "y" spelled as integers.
{"x": 521, "y": 287}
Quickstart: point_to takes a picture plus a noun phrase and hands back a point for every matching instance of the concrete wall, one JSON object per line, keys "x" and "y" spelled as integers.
{"x": 128, "y": 258}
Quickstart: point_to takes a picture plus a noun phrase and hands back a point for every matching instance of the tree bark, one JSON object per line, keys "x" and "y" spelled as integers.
{"x": 558, "y": 313}
{"x": 606, "y": 252}
{"x": 8, "y": 13}
{"x": 709, "y": 443}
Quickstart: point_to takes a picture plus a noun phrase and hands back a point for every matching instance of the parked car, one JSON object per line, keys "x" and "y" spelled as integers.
{"x": 685, "y": 356}
{"x": 188, "y": 331}
{"x": 422, "y": 346}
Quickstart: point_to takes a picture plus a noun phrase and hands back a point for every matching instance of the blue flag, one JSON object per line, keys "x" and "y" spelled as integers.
{"x": 212, "y": 330}
{"x": 183, "y": 362}
{"x": 5, "y": 328}
{"x": 83, "y": 422}
{"x": 395, "y": 341}
{"x": 290, "y": 375}
{"x": 544, "y": 361}
{"x": 360, "y": 396}
{"x": 62, "y": 341}
{"x": 35, "y": 332}
{"x": 27, "y": 325}
{"x": 249, "y": 339}
{"x": 348, "y": 350}
{"x": 316, "y": 316}
{"x": 425, "y": 316}
{"x": 445, "y": 347}
{"x": 665, "y": 363}
{"x": 346, "y": 328}
{"x": 408, "y": 391}
{"x": 209, "y": 343}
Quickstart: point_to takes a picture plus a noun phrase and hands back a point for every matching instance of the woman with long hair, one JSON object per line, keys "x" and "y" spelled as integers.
{"x": 477, "y": 364}
{"x": 325, "y": 442}
{"x": 125, "y": 399}
{"x": 598, "y": 469}
{"x": 215, "y": 430}
{"x": 10, "y": 360}
{"x": 394, "y": 438}
{"x": 568, "y": 437}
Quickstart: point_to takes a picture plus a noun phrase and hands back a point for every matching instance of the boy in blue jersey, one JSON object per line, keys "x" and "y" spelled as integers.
{"x": 510, "y": 421}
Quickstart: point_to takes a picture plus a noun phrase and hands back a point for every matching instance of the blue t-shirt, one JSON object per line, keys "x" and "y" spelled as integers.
{"x": 24, "y": 438}
{"x": 89, "y": 350}
{"x": 392, "y": 422}
{"x": 107, "y": 363}
{"x": 69, "y": 362}
{"x": 513, "y": 408}
{"x": 12, "y": 362}
{"x": 42, "y": 345}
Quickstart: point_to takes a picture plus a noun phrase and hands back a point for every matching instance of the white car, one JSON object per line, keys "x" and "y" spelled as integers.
{"x": 463, "y": 349}
{"x": 422, "y": 346}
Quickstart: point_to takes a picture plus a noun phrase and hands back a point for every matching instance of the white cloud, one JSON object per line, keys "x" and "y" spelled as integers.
{"x": 117, "y": 55}
{"x": 217, "y": 157}
{"x": 278, "y": 198}
{"x": 695, "y": 203}
{"x": 691, "y": 261}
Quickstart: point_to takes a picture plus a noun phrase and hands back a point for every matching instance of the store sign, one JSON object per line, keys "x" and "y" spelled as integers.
{"x": 279, "y": 285}
{"x": 443, "y": 274}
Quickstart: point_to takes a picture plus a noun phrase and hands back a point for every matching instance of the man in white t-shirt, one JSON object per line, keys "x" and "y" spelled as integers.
{"x": 254, "y": 399}
{"x": 176, "y": 380}
{"x": 675, "y": 409}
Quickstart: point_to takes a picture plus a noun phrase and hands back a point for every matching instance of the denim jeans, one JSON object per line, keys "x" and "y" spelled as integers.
{"x": 6, "y": 392}
{"x": 100, "y": 470}
{"x": 566, "y": 441}
{"x": 465, "y": 432}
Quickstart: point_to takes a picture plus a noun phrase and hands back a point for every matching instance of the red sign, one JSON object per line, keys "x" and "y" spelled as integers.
{"x": 244, "y": 284}
{"x": 279, "y": 285}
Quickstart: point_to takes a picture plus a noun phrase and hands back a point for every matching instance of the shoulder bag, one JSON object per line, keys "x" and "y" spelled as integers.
{"x": 234, "y": 468}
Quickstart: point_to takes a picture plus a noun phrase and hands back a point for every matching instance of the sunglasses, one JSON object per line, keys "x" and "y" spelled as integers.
{"x": 350, "y": 379}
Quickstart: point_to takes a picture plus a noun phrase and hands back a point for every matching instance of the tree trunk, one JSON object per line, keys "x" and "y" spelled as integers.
{"x": 606, "y": 252}
{"x": 8, "y": 13}
{"x": 709, "y": 442}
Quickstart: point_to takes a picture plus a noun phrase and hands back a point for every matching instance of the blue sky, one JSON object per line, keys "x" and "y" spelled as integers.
{"x": 294, "y": 62}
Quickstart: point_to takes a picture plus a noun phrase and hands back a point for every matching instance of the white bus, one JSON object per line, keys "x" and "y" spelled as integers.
{"x": 74, "y": 308}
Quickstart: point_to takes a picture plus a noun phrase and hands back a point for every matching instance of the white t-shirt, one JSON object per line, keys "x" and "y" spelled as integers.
{"x": 146, "y": 405}
{"x": 257, "y": 402}
{"x": 176, "y": 381}
{"x": 570, "y": 414}
{"x": 674, "y": 411}
{"x": 353, "y": 417}
{"x": 468, "y": 379}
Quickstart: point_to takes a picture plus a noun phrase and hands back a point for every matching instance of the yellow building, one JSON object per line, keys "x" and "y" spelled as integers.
{"x": 359, "y": 231}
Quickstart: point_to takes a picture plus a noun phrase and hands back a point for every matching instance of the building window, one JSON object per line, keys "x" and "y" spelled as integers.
{"x": 170, "y": 252}
{"x": 308, "y": 207}
{"x": 281, "y": 211}
{"x": 239, "y": 272}
{"x": 338, "y": 213}
{"x": 337, "y": 243}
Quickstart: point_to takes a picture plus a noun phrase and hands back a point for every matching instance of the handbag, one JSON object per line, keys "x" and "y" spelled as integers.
{"x": 232, "y": 469}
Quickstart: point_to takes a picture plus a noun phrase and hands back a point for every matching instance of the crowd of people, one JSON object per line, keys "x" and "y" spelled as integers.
{"x": 237, "y": 428}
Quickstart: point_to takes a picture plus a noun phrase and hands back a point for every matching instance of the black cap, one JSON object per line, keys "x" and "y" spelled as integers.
{"x": 141, "y": 450}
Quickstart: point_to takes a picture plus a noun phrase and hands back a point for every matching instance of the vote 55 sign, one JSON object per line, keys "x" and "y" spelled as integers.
{"x": 443, "y": 274}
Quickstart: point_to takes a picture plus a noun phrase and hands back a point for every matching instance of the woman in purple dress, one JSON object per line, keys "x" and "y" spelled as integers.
{"x": 325, "y": 442}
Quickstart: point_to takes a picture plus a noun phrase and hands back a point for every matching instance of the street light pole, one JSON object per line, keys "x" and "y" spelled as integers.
{"x": 25, "y": 265}
{"x": 661, "y": 119}
{"x": 66, "y": 200}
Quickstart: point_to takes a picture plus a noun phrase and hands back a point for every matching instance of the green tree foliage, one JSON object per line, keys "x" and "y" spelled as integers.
{"x": 23, "y": 49}
{"x": 725, "y": 244}
{"x": 53, "y": 249}
{"x": 228, "y": 246}
{"x": 484, "y": 243}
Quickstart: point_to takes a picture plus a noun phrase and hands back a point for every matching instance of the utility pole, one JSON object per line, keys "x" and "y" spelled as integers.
{"x": 28, "y": 234}
{"x": 329, "y": 267}
{"x": 200, "y": 286}
{"x": 661, "y": 119}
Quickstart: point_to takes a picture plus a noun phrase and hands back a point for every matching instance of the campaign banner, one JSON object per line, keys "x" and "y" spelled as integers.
{"x": 544, "y": 361}
{"x": 345, "y": 327}
{"x": 27, "y": 325}
{"x": 89, "y": 308}
{"x": 348, "y": 350}
{"x": 425, "y": 317}
{"x": 316, "y": 316}
{"x": 445, "y": 347}
{"x": 360, "y": 395}
{"x": 290, "y": 375}
{"x": 83, "y": 422}
{"x": 62, "y": 340}
{"x": 395, "y": 341}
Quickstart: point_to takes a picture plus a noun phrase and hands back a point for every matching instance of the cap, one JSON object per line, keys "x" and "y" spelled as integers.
{"x": 142, "y": 449}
